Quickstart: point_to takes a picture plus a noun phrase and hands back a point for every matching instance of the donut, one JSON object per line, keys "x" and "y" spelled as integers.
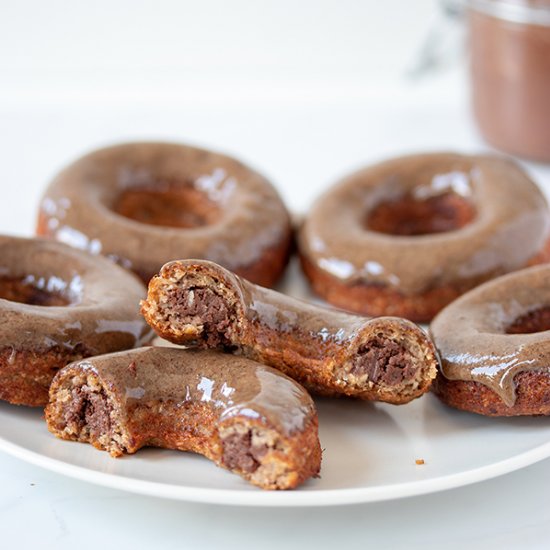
{"x": 58, "y": 305}
{"x": 143, "y": 204}
{"x": 494, "y": 344}
{"x": 409, "y": 235}
{"x": 331, "y": 353}
{"x": 243, "y": 416}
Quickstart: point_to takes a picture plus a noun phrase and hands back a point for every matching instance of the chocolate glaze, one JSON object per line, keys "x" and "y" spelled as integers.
{"x": 101, "y": 313}
{"x": 233, "y": 386}
{"x": 80, "y": 207}
{"x": 511, "y": 226}
{"x": 317, "y": 346}
{"x": 510, "y": 66}
{"x": 476, "y": 338}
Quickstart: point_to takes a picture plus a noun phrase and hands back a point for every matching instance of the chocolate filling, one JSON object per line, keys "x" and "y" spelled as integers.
{"x": 202, "y": 306}
{"x": 167, "y": 205}
{"x": 410, "y": 216}
{"x": 537, "y": 320}
{"x": 384, "y": 362}
{"x": 17, "y": 289}
{"x": 89, "y": 409}
{"x": 240, "y": 454}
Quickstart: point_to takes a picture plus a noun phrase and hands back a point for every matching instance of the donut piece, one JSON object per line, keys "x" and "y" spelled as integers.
{"x": 143, "y": 204}
{"x": 58, "y": 305}
{"x": 328, "y": 351}
{"x": 494, "y": 344}
{"x": 244, "y": 416}
{"x": 409, "y": 235}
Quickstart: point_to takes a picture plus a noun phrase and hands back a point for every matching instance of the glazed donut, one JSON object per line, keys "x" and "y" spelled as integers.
{"x": 408, "y": 236}
{"x": 57, "y": 305}
{"x": 245, "y": 417}
{"x": 494, "y": 344}
{"x": 329, "y": 352}
{"x": 144, "y": 204}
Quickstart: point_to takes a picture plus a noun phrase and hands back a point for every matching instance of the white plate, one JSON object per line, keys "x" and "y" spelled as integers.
{"x": 370, "y": 453}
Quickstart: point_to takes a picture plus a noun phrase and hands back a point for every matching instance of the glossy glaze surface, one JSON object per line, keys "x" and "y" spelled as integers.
{"x": 233, "y": 386}
{"x": 101, "y": 313}
{"x": 291, "y": 317}
{"x": 328, "y": 351}
{"x": 511, "y": 225}
{"x": 471, "y": 333}
{"x": 266, "y": 318}
{"x": 101, "y": 202}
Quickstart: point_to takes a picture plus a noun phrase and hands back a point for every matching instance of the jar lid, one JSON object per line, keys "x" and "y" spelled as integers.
{"x": 528, "y": 12}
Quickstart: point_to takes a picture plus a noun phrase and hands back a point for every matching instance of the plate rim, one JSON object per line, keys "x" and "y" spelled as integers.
{"x": 290, "y": 499}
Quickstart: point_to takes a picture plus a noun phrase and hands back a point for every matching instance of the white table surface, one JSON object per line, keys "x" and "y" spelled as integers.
{"x": 302, "y": 133}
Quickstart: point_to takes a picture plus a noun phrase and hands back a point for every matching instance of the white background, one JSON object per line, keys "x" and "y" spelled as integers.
{"x": 302, "y": 90}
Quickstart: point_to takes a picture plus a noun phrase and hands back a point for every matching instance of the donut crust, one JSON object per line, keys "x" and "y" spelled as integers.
{"x": 36, "y": 338}
{"x": 492, "y": 220}
{"x": 208, "y": 205}
{"x": 26, "y": 375}
{"x": 532, "y": 396}
{"x": 245, "y": 417}
{"x": 377, "y": 300}
{"x": 331, "y": 353}
{"x": 494, "y": 346}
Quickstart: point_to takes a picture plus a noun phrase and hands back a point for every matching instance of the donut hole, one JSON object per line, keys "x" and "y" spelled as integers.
{"x": 40, "y": 291}
{"x": 409, "y": 215}
{"x": 171, "y": 205}
{"x": 537, "y": 320}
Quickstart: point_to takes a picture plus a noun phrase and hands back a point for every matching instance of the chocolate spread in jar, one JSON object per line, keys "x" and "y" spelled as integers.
{"x": 510, "y": 64}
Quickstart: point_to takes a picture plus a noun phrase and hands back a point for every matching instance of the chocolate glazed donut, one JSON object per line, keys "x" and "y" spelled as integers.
{"x": 329, "y": 352}
{"x": 494, "y": 344}
{"x": 143, "y": 204}
{"x": 57, "y": 305}
{"x": 409, "y": 235}
{"x": 245, "y": 417}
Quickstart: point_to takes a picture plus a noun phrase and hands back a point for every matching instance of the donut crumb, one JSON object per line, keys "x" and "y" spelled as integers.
{"x": 186, "y": 307}
{"x": 255, "y": 452}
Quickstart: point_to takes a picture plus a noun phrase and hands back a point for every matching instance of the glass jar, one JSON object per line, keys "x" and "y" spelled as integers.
{"x": 510, "y": 66}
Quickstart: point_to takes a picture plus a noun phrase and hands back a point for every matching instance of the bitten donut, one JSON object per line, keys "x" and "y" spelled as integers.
{"x": 329, "y": 352}
{"x": 143, "y": 204}
{"x": 244, "y": 416}
{"x": 494, "y": 344}
{"x": 57, "y": 305}
{"x": 409, "y": 235}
